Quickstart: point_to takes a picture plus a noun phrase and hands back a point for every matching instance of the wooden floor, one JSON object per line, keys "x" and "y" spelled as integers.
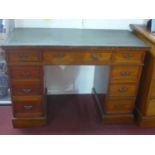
{"x": 71, "y": 115}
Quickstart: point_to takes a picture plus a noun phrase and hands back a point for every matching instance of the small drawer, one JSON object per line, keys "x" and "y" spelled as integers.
{"x": 128, "y": 57}
{"x": 125, "y": 74}
{"x": 25, "y": 72}
{"x": 119, "y": 106}
{"x": 122, "y": 90}
{"x": 28, "y": 88}
{"x": 23, "y": 56}
{"x": 28, "y": 107}
{"x": 96, "y": 57}
{"x": 76, "y": 57}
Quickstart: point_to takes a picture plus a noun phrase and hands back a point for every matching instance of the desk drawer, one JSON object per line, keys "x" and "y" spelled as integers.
{"x": 125, "y": 74}
{"x": 23, "y": 56}
{"x": 119, "y": 106}
{"x": 77, "y": 57}
{"x": 122, "y": 90}
{"x": 128, "y": 57}
{"x": 27, "y": 107}
{"x": 25, "y": 72}
{"x": 27, "y": 88}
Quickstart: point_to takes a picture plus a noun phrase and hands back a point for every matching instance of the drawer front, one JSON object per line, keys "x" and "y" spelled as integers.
{"x": 59, "y": 57}
{"x": 125, "y": 74}
{"x": 24, "y": 56}
{"x": 153, "y": 89}
{"x": 28, "y": 107}
{"x": 25, "y": 72}
{"x": 122, "y": 90}
{"x": 120, "y": 106}
{"x": 27, "y": 88}
{"x": 128, "y": 57}
{"x": 151, "y": 108}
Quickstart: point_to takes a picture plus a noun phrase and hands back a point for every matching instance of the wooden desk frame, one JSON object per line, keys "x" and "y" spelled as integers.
{"x": 27, "y": 83}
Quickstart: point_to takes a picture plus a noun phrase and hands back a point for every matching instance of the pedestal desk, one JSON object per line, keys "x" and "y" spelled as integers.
{"x": 28, "y": 50}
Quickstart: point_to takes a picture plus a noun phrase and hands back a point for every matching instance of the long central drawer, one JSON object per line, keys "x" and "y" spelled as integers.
{"x": 76, "y": 57}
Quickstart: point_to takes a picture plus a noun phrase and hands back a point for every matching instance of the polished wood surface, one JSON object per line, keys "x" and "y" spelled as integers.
{"x": 128, "y": 57}
{"x": 76, "y": 57}
{"x": 125, "y": 74}
{"x": 27, "y": 55}
{"x": 122, "y": 90}
{"x": 145, "y": 102}
{"x": 25, "y": 72}
{"x": 118, "y": 106}
{"x": 27, "y": 80}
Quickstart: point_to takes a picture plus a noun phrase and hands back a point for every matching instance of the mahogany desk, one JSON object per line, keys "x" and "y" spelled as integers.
{"x": 28, "y": 50}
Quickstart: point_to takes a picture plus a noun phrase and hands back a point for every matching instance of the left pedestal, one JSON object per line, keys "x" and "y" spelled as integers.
{"x": 26, "y": 87}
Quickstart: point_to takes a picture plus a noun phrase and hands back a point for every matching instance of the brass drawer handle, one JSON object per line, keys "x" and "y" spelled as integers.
{"x": 27, "y": 90}
{"x": 95, "y": 56}
{"x": 59, "y": 55}
{"x": 123, "y": 89}
{"x": 25, "y": 74}
{"x": 28, "y": 107}
{"x": 23, "y": 56}
{"x": 120, "y": 105}
{"x": 124, "y": 73}
{"x": 128, "y": 56}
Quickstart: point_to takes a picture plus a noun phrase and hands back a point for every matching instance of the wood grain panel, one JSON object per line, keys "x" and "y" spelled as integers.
{"x": 25, "y": 72}
{"x": 151, "y": 108}
{"x": 15, "y": 56}
{"x": 129, "y": 57}
{"x": 122, "y": 90}
{"x": 125, "y": 73}
{"x": 78, "y": 57}
{"x": 28, "y": 107}
{"x": 119, "y": 105}
{"x": 28, "y": 88}
{"x": 153, "y": 89}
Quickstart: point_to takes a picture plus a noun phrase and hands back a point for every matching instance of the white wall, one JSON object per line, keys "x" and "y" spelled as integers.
{"x": 73, "y": 79}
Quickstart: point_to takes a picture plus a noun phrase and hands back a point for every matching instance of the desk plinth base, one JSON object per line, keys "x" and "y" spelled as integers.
{"x": 29, "y": 122}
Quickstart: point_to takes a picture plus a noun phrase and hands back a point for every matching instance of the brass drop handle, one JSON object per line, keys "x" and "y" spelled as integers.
{"x": 128, "y": 56}
{"x": 27, "y": 90}
{"x": 25, "y": 74}
{"x": 123, "y": 89}
{"x": 124, "y": 73}
{"x": 28, "y": 107}
{"x": 120, "y": 105}
{"x": 23, "y": 55}
{"x": 94, "y": 56}
{"x": 59, "y": 55}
